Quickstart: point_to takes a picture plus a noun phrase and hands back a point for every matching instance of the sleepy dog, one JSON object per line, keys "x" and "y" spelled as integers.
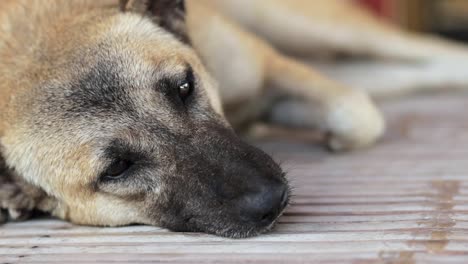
{"x": 116, "y": 113}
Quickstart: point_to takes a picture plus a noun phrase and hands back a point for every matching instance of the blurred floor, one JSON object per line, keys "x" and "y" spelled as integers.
{"x": 404, "y": 201}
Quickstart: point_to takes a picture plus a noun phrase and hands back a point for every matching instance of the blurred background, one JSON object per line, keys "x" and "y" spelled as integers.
{"x": 448, "y": 18}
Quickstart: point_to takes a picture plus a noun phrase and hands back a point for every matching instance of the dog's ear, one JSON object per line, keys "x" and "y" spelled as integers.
{"x": 169, "y": 14}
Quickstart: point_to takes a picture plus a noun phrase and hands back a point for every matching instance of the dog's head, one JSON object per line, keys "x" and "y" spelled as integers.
{"x": 123, "y": 125}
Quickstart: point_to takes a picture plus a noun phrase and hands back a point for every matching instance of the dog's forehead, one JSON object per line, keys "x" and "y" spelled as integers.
{"x": 132, "y": 35}
{"x": 121, "y": 65}
{"x": 139, "y": 52}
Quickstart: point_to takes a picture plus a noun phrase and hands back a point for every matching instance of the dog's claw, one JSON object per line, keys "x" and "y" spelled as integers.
{"x": 18, "y": 214}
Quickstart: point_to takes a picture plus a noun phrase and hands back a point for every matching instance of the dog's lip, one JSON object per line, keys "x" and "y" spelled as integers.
{"x": 231, "y": 232}
{"x": 258, "y": 230}
{"x": 253, "y": 232}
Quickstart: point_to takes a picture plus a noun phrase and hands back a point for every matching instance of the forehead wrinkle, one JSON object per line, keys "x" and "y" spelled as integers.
{"x": 100, "y": 90}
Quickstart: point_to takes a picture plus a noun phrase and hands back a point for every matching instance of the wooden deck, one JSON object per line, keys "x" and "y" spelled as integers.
{"x": 404, "y": 201}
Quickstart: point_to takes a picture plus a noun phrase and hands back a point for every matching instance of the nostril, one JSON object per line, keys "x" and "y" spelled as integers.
{"x": 269, "y": 216}
{"x": 265, "y": 205}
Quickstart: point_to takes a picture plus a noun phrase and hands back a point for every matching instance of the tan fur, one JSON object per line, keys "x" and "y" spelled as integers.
{"x": 22, "y": 68}
{"x": 238, "y": 42}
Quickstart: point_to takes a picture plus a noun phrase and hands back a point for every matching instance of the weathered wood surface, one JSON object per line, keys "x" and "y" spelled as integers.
{"x": 404, "y": 201}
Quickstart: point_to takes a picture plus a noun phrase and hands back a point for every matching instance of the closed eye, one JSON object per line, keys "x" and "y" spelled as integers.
{"x": 116, "y": 170}
{"x": 123, "y": 161}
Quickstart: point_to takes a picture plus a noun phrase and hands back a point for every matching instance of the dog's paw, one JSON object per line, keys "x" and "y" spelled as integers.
{"x": 353, "y": 122}
{"x": 15, "y": 203}
{"x": 18, "y": 199}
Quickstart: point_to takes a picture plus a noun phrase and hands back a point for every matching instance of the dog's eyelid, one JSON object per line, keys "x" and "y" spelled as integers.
{"x": 167, "y": 82}
{"x": 185, "y": 76}
{"x": 189, "y": 74}
{"x": 119, "y": 149}
{"x": 118, "y": 168}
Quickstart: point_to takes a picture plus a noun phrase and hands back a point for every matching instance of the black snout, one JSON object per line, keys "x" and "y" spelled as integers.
{"x": 265, "y": 205}
{"x": 230, "y": 188}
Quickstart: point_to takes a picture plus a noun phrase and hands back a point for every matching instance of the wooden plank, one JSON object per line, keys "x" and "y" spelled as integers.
{"x": 404, "y": 201}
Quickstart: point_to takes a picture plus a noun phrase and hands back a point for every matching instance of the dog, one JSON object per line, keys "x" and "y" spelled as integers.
{"x": 123, "y": 112}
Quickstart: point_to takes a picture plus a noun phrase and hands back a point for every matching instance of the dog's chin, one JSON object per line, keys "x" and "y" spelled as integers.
{"x": 237, "y": 230}
{"x": 240, "y": 233}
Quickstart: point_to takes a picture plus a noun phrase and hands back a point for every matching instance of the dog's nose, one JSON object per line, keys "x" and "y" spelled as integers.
{"x": 264, "y": 206}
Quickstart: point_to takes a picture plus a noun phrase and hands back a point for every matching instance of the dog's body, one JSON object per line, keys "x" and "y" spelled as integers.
{"x": 74, "y": 90}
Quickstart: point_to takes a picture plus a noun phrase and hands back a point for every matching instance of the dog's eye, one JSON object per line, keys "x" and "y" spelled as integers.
{"x": 117, "y": 169}
{"x": 187, "y": 86}
{"x": 185, "y": 90}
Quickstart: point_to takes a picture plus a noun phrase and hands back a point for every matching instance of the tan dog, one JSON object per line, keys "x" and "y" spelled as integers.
{"x": 108, "y": 116}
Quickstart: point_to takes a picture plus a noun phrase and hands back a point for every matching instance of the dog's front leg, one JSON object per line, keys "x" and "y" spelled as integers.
{"x": 307, "y": 99}
{"x": 18, "y": 199}
{"x": 14, "y": 204}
